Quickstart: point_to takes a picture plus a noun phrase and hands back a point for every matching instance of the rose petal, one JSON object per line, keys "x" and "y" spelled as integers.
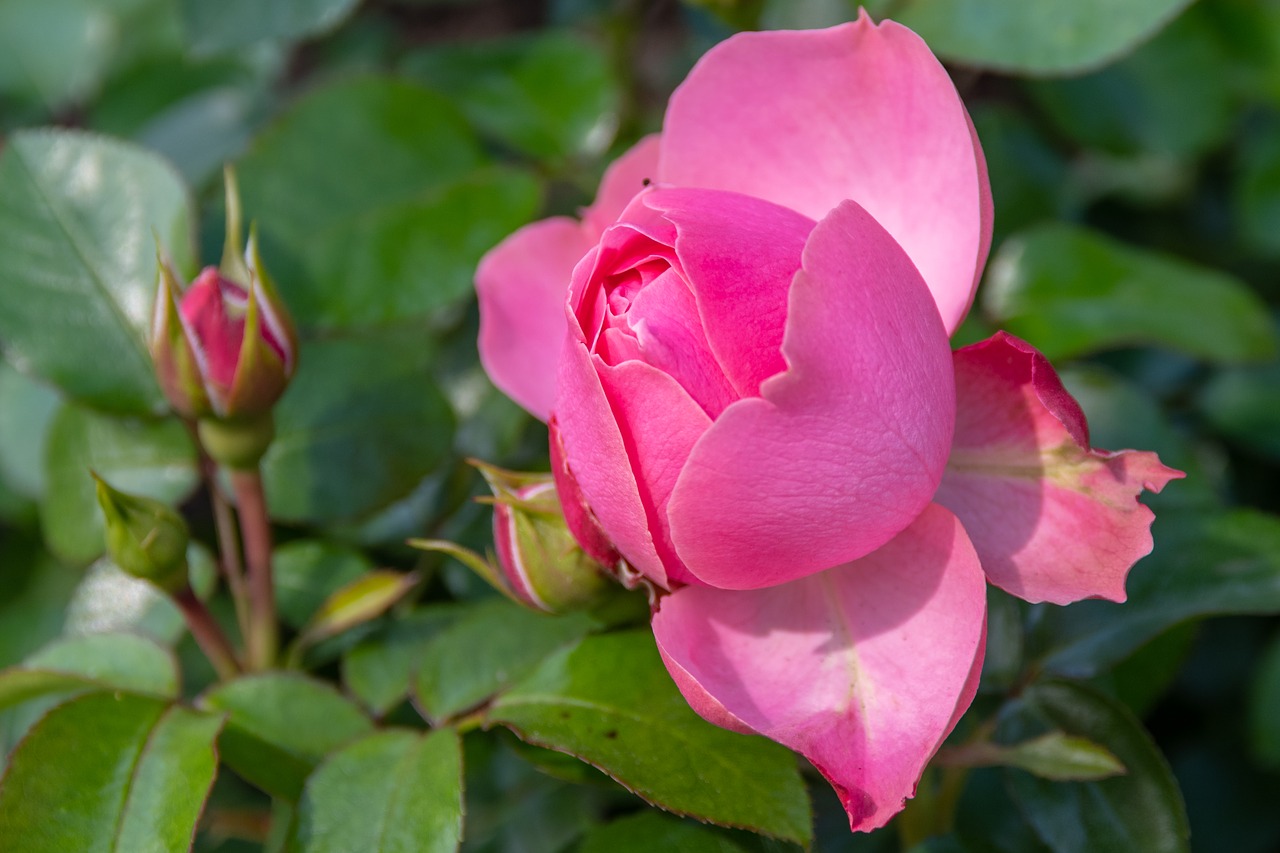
{"x": 522, "y": 283}
{"x": 859, "y": 111}
{"x": 660, "y": 424}
{"x": 644, "y": 416}
{"x": 665, "y": 321}
{"x": 863, "y": 669}
{"x": 848, "y": 445}
{"x": 739, "y": 254}
{"x": 1051, "y": 519}
{"x": 220, "y": 335}
{"x": 578, "y": 517}
{"x": 624, "y": 178}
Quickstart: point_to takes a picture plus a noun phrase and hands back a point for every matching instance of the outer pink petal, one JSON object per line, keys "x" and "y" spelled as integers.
{"x": 626, "y": 177}
{"x": 660, "y": 424}
{"x": 599, "y": 440}
{"x": 863, "y": 669}
{"x": 740, "y": 255}
{"x": 810, "y": 118}
{"x": 578, "y": 516}
{"x": 847, "y": 446}
{"x": 1052, "y": 519}
{"x": 522, "y": 284}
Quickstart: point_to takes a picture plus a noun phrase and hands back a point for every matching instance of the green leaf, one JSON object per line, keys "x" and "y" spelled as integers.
{"x": 488, "y": 647}
{"x": 552, "y": 96}
{"x": 1070, "y": 291}
{"x": 1204, "y": 564}
{"x": 1036, "y": 36}
{"x": 360, "y": 426}
{"x": 107, "y": 600}
{"x": 102, "y": 662}
{"x": 1029, "y": 179}
{"x": 650, "y": 830}
{"x": 34, "y": 595}
{"x": 360, "y": 601}
{"x": 609, "y": 701}
{"x": 26, "y": 411}
{"x": 1140, "y": 812}
{"x": 514, "y": 804}
{"x": 987, "y": 819}
{"x": 79, "y": 215}
{"x": 138, "y": 783}
{"x": 53, "y": 51}
{"x": 1264, "y": 709}
{"x": 381, "y": 670}
{"x": 232, "y": 24}
{"x": 1257, "y": 189}
{"x": 391, "y": 792}
{"x": 407, "y": 259}
{"x": 1244, "y": 404}
{"x": 308, "y": 571}
{"x": 151, "y": 458}
{"x": 395, "y": 239}
{"x": 1171, "y": 96}
{"x": 280, "y": 725}
{"x": 198, "y": 115}
{"x": 1055, "y": 755}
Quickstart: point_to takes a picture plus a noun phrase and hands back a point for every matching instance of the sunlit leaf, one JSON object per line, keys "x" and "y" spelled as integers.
{"x": 391, "y": 792}
{"x": 609, "y": 701}
{"x": 1070, "y": 291}
{"x": 79, "y": 219}
{"x": 138, "y": 784}
{"x": 1036, "y": 36}
{"x": 280, "y": 725}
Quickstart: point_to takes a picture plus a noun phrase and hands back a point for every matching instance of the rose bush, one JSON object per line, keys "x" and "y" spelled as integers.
{"x": 742, "y": 351}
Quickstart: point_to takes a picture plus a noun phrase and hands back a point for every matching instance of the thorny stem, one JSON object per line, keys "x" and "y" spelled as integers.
{"x": 208, "y": 635}
{"x": 262, "y": 640}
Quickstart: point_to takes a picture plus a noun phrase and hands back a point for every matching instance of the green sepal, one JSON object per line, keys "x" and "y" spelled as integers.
{"x": 233, "y": 265}
{"x": 145, "y": 537}
{"x": 172, "y": 353}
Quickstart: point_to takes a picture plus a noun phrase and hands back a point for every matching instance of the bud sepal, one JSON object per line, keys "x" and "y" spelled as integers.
{"x": 145, "y": 537}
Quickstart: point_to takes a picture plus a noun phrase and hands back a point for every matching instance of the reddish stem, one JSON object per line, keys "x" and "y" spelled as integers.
{"x": 208, "y": 635}
{"x": 263, "y": 638}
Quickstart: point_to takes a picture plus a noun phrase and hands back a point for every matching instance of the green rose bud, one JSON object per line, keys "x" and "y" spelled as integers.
{"x": 145, "y": 538}
{"x": 539, "y": 560}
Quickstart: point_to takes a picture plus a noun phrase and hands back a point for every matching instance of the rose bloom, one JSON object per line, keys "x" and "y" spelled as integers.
{"x": 742, "y": 351}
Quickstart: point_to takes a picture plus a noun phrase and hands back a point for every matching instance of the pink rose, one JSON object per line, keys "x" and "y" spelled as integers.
{"x": 756, "y": 404}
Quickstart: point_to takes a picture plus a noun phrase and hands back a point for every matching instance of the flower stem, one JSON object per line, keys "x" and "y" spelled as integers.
{"x": 208, "y": 635}
{"x": 263, "y": 638}
{"x": 228, "y": 542}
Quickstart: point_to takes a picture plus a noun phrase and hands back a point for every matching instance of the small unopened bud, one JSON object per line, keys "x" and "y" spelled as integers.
{"x": 224, "y": 347}
{"x": 541, "y": 563}
{"x": 145, "y": 538}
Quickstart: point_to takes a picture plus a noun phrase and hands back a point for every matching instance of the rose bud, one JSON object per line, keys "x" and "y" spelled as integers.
{"x": 145, "y": 538}
{"x": 540, "y": 562}
{"x": 224, "y": 348}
